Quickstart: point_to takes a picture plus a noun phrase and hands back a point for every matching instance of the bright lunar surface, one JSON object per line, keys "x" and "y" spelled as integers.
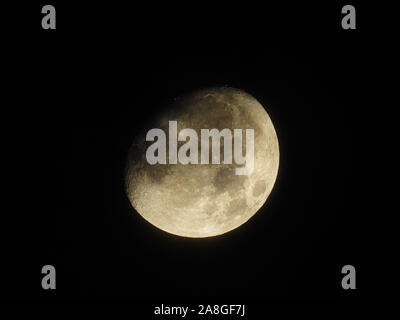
{"x": 204, "y": 200}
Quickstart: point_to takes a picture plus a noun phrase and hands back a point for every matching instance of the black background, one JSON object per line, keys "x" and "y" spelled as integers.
{"x": 82, "y": 91}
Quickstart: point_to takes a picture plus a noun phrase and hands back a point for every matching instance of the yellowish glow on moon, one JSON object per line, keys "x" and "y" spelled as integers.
{"x": 205, "y": 200}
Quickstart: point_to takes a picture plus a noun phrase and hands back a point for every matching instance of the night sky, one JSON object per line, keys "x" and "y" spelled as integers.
{"x": 83, "y": 91}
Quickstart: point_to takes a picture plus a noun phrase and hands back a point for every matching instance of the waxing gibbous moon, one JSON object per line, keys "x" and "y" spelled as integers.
{"x": 204, "y": 200}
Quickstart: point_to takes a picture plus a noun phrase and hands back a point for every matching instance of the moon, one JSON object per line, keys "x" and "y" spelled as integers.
{"x": 204, "y": 200}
